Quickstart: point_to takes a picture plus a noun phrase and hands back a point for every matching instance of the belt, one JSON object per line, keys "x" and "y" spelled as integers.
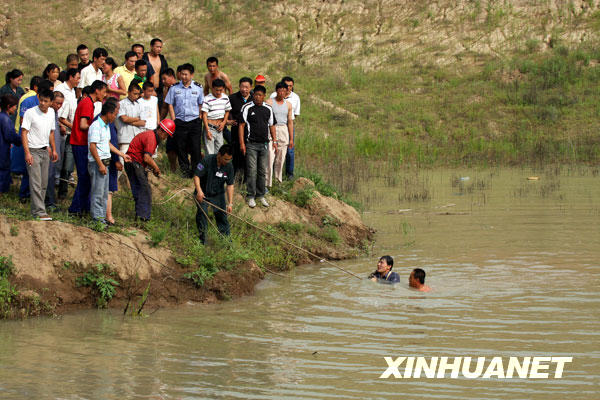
{"x": 106, "y": 161}
{"x": 213, "y": 126}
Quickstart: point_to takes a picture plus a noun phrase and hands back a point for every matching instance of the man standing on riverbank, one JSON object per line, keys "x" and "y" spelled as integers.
{"x": 384, "y": 272}
{"x": 211, "y": 174}
{"x": 215, "y": 112}
{"x": 212, "y": 64}
{"x": 127, "y": 70}
{"x": 185, "y": 103}
{"x": 259, "y": 119}
{"x": 157, "y": 65}
{"x": 93, "y": 72}
{"x": 238, "y": 100}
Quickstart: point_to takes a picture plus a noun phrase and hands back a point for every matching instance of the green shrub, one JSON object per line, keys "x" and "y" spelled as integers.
{"x": 157, "y": 236}
{"x": 290, "y": 227}
{"x": 100, "y": 279}
{"x": 199, "y": 276}
{"x": 331, "y": 234}
{"x": 303, "y": 196}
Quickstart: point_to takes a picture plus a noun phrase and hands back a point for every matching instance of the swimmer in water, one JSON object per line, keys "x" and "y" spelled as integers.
{"x": 417, "y": 280}
{"x": 384, "y": 272}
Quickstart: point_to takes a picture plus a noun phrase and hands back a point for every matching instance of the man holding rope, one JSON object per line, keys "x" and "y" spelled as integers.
{"x": 210, "y": 176}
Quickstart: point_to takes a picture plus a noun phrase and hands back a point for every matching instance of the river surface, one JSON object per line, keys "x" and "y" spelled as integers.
{"x": 514, "y": 266}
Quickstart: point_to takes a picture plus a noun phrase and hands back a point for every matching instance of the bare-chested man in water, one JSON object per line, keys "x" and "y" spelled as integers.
{"x": 417, "y": 280}
{"x": 212, "y": 64}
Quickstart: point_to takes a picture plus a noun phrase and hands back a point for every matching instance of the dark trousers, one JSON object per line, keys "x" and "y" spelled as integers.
{"x": 5, "y": 180}
{"x": 140, "y": 189}
{"x": 24, "y": 192}
{"x": 66, "y": 169}
{"x": 239, "y": 160}
{"x": 220, "y": 216}
{"x": 50, "y": 190}
{"x": 188, "y": 136}
{"x": 289, "y": 159}
{"x": 81, "y": 198}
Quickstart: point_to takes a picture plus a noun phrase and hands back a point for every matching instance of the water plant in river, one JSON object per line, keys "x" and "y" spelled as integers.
{"x": 8, "y": 292}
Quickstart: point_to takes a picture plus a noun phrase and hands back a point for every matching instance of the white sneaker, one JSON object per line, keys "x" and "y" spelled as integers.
{"x": 264, "y": 202}
{"x": 251, "y": 203}
{"x": 45, "y": 218}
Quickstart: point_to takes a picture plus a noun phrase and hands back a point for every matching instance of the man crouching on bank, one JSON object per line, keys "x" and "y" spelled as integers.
{"x": 210, "y": 176}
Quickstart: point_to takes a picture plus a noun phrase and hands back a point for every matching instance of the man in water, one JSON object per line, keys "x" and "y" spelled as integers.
{"x": 384, "y": 272}
{"x": 417, "y": 280}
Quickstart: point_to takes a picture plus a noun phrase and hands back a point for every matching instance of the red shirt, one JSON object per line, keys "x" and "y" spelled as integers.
{"x": 85, "y": 109}
{"x": 142, "y": 143}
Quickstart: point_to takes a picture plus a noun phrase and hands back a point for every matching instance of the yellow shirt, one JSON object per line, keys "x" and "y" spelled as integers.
{"x": 127, "y": 77}
{"x": 29, "y": 93}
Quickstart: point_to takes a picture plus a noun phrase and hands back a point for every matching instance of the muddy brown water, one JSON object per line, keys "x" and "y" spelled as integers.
{"x": 514, "y": 265}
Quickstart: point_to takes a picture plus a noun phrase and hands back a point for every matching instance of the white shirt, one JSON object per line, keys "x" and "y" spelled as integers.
{"x": 89, "y": 75}
{"x": 215, "y": 108}
{"x": 40, "y": 125}
{"x": 294, "y": 99}
{"x": 67, "y": 111}
{"x": 126, "y": 132}
{"x": 149, "y": 112}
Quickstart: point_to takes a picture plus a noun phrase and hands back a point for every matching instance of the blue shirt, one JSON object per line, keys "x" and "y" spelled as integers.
{"x": 186, "y": 101}
{"x": 17, "y": 154}
{"x": 99, "y": 133}
{"x": 7, "y": 137}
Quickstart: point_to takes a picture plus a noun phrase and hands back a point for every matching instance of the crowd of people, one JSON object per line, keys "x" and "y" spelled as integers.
{"x": 99, "y": 118}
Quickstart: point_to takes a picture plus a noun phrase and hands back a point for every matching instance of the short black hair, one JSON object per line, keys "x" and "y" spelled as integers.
{"x": 13, "y": 74}
{"x": 130, "y": 54}
{"x": 280, "y": 85}
{"x": 45, "y": 84}
{"x": 133, "y": 46}
{"x": 226, "y": 149}
{"x": 72, "y": 58}
{"x": 7, "y": 101}
{"x": 46, "y": 93}
{"x": 99, "y": 52}
{"x": 108, "y": 107}
{"x": 110, "y": 61}
{"x": 211, "y": 60}
{"x": 218, "y": 83}
{"x": 153, "y": 41}
{"x": 49, "y": 68}
{"x": 260, "y": 88}
{"x": 111, "y": 100}
{"x": 134, "y": 85}
{"x": 287, "y": 79}
{"x": 97, "y": 85}
{"x": 147, "y": 85}
{"x": 389, "y": 260}
{"x": 169, "y": 71}
{"x": 245, "y": 79}
{"x": 140, "y": 63}
{"x": 35, "y": 81}
{"x": 419, "y": 275}
{"x": 186, "y": 67}
{"x": 71, "y": 72}
{"x": 81, "y": 47}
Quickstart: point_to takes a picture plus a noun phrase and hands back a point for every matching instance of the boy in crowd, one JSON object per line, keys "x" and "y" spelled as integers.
{"x": 212, "y": 64}
{"x": 141, "y": 69}
{"x": 185, "y": 102}
{"x": 215, "y": 112}
{"x": 84, "y": 114}
{"x": 284, "y": 127}
{"x": 149, "y": 106}
{"x": 210, "y": 176}
{"x": 37, "y": 132}
{"x": 129, "y": 123}
{"x": 258, "y": 117}
{"x": 238, "y": 100}
{"x": 127, "y": 70}
{"x": 140, "y": 150}
{"x": 99, "y": 157}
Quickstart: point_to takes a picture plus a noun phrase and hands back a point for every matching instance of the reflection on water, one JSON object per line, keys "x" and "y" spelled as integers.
{"x": 514, "y": 268}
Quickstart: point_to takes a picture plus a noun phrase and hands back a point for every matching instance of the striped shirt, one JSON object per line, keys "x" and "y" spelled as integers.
{"x": 215, "y": 108}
